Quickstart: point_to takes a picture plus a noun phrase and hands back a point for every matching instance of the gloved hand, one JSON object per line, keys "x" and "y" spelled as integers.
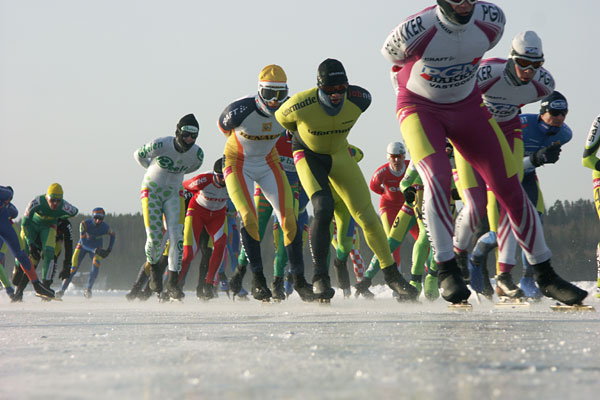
{"x": 410, "y": 194}
{"x": 66, "y": 270}
{"x": 102, "y": 253}
{"x": 546, "y": 155}
{"x": 34, "y": 251}
{"x": 455, "y": 195}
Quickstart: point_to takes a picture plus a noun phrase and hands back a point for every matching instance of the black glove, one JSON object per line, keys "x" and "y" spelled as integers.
{"x": 410, "y": 194}
{"x": 34, "y": 251}
{"x": 102, "y": 253}
{"x": 455, "y": 195}
{"x": 546, "y": 155}
{"x": 66, "y": 270}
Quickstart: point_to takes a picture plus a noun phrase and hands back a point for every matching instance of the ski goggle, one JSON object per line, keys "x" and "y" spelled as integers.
{"x": 336, "y": 89}
{"x": 459, "y": 2}
{"x": 556, "y": 113}
{"x": 523, "y": 63}
{"x": 272, "y": 94}
{"x": 189, "y": 131}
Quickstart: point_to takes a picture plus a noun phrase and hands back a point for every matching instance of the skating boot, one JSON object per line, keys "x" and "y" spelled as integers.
{"x": 10, "y": 292}
{"x": 163, "y": 297}
{"x": 415, "y": 281}
{"x": 140, "y": 281}
{"x": 343, "y": 278}
{"x": 156, "y": 278}
{"x": 59, "y": 294}
{"x": 242, "y": 294}
{"x": 322, "y": 288}
{"x": 260, "y": 291}
{"x": 462, "y": 259}
{"x": 552, "y": 285}
{"x": 132, "y": 295}
{"x": 488, "y": 290}
{"x": 305, "y": 291}
{"x": 87, "y": 293}
{"x": 223, "y": 283}
{"x": 451, "y": 283}
{"x": 288, "y": 284}
{"x": 398, "y": 284}
{"x": 362, "y": 288}
{"x": 528, "y": 287}
{"x": 277, "y": 289}
{"x": 476, "y": 274}
{"x": 145, "y": 293}
{"x": 430, "y": 287}
{"x": 17, "y": 297}
{"x": 42, "y": 291}
{"x": 208, "y": 291}
{"x": 506, "y": 288}
{"x": 172, "y": 290}
{"x": 235, "y": 283}
{"x": 47, "y": 283}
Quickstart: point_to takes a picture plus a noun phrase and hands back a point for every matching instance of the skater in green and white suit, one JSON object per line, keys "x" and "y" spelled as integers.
{"x": 166, "y": 161}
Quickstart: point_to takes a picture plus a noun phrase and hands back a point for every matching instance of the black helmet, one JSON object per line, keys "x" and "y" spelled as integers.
{"x": 452, "y": 16}
{"x": 331, "y": 73}
{"x": 554, "y": 102}
{"x": 187, "y": 125}
{"x": 218, "y": 167}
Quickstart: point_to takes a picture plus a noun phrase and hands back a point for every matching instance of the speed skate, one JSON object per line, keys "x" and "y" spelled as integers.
{"x": 462, "y": 306}
{"x": 573, "y": 308}
{"x": 509, "y": 302}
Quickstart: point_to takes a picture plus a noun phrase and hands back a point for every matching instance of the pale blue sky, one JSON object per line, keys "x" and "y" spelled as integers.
{"x": 85, "y": 83}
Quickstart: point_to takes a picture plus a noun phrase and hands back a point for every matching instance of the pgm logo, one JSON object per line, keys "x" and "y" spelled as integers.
{"x": 453, "y": 75}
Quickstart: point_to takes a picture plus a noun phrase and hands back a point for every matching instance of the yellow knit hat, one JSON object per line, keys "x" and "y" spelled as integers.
{"x": 55, "y": 191}
{"x": 272, "y": 75}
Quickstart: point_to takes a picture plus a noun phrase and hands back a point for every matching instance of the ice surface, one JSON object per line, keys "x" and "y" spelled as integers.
{"x": 107, "y": 347}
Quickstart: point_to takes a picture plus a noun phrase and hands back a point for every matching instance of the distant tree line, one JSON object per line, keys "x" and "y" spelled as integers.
{"x": 572, "y": 232}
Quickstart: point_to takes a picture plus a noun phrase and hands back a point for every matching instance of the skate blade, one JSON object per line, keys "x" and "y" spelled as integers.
{"x": 48, "y": 298}
{"x": 463, "y": 306}
{"x": 325, "y": 302}
{"x": 240, "y": 298}
{"x": 507, "y": 302}
{"x": 573, "y": 308}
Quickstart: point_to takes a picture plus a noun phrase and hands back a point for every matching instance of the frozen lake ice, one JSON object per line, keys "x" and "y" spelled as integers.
{"x": 353, "y": 348}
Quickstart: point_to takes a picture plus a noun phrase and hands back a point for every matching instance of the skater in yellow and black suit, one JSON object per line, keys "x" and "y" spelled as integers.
{"x": 322, "y": 117}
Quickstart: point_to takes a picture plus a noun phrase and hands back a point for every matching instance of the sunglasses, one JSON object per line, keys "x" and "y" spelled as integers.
{"x": 189, "y": 131}
{"x": 556, "y": 113}
{"x": 524, "y": 64}
{"x": 459, "y": 2}
{"x": 337, "y": 89}
{"x": 273, "y": 94}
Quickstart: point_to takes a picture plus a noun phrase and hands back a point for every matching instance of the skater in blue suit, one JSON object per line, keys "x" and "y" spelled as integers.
{"x": 91, "y": 233}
